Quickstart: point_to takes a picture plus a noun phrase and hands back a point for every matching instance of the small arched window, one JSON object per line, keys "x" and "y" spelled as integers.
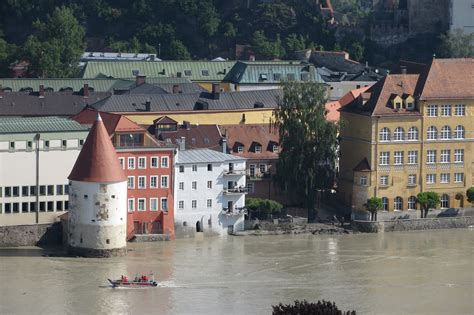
{"x": 398, "y": 203}
{"x": 412, "y": 203}
{"x": 432, "y": 133}
{"x": 399, "y": 134}
{"x": 446, "y": 133}
{"x": 445, "y": 201}
{"x": 384, "y": 134}
{"x": 459, "y": 132}
{"x": 413, "y": 133}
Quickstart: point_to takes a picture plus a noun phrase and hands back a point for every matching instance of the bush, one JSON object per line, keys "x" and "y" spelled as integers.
{"x": 470, "y": 194}
{"x": 262, "y": 209}
{"x": 306, "y": 308}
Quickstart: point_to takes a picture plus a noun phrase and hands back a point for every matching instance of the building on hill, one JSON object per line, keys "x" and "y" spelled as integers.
{"x": 410, "y": 133}
{"x": 209, "y": 192}
{"x": 148, "y": 167}
{"x": 63, "y": 85}
{"x": 52, "y": 142}
{"x": 117, "y": 56}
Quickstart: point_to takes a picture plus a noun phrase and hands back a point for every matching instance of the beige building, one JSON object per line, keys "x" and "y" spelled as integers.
{"x": 411, "y": 133}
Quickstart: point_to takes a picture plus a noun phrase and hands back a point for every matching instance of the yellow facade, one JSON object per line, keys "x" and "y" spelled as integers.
{"x": 451, "y": 174}
{"x": 250, "y": 116}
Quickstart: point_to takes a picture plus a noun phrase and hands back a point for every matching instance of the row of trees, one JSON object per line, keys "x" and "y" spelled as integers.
{"x": 427, "y": 200}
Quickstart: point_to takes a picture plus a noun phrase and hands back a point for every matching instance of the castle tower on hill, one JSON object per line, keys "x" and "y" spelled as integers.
{"x": 98, "y": 199}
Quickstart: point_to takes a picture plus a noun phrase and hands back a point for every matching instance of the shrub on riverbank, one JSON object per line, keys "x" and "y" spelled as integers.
{"x": 307, "y": 308}
{"x": 263, "y": 209}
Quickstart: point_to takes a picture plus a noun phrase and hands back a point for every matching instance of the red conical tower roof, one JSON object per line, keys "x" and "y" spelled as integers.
{"x": 98, "y": 161}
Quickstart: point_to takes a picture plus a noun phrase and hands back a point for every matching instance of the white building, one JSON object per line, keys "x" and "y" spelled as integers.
{"x": 209, "y": 192}
{"x": 462, "y": 15}
{"x": 97, "y": 218}
{"x": 60, "y": 141}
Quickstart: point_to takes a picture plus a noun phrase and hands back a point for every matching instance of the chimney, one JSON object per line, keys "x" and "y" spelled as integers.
{"x": 403, "y": 69}
{"x": 41, "y": 91}
{"x": 224, "y": 145}
{"x": 176, "y": 89}
{"x": 182, "y": 144}
{"x": 216, "y": 91}
{"x": 252, "y": 58}
{"x": 148, "y": 104}
{"x": 139, "y": 80}
{"x": 85, "y": 90}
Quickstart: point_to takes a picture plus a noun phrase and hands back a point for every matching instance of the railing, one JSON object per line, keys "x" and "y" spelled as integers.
{"x": 259, "y": 176}
{"x": 234, "y": 211}
{"x": 236, "y": 190}
{"x": 234, "y": 173}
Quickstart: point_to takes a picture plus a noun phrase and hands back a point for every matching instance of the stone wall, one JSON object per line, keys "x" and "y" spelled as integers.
{"x": 30, "y": 235}
{"x": 412, "y": 224}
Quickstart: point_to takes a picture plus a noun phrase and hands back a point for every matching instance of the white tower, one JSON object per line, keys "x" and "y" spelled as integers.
{"x": 97, "y": 223}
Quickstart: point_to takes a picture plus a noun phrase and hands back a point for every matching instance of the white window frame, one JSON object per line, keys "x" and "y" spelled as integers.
{"x": 432, "y": 133}
{"x": 194, "y": 185}
{"x": 254, "y": 168}
{"x": 430, "y": 156}
{"x": 181, "y": 204}
{"x": 432, "y": 110}
{"x": 240, "y": 149}
{"x": 445, "y": 156}
{"x": 154, "y": 181}
{"x": 250, "y": 187}
{"x": 194, "y": 168}
{"x": 445, "y": 133}
{"x": 398, "y": 157}
{"x": 460, "y": 110}
{"x": 131, "y": 166}
{"x": 122, "y": 162}
{"x": 363, "y": 180}
{"x": 209, "y": 203}
{"x": 165, "y": 162}
{"x": 141, "y": 162}
{"x": 399, "y": 134}
{"x": 166, "y": 183}
{"x": 141, "y": 184}
{"x": 384, "y": 158}
{"x": 258, "y": 148}
{"x": 384, "y": 204}
{"x": 153, "y": 204}
{"x": 132, "y": 186}
{"x": 154, "y": 160}
{"x": 264, "y": 168}
{"x": 459, "y": 132}
{"x": 411, "y": 203}
{"x": 144, "y": 204}
{"x": 459, "y": 156}
{"x": 383, "y": 180}
{"x": 193, "y": 204}
{"x": 181, "y": 186}
{"x": 413, "y": 134}
{"x": 131, "y": 202}
{"x": 444, "y": 204}
{"x": 446, "y": 110}
{"x": 209, "y": 184}
{"x": 384, "y": 134}
{"x": 458, "y": 177}
{"x": 162, "y": 207}
{"x": 444, "y": 178}
{"x": 398, "y": 203}
{"x": 412, "y": 179}
{"x": 412, "y": 157}
{"x": 431, "y": 179}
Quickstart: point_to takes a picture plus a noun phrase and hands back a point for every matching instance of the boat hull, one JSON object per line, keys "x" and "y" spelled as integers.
{"x": 132, "y": 284}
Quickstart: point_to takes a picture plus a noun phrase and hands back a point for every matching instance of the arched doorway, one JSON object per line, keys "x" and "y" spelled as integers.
{"x": 198, "y": 226}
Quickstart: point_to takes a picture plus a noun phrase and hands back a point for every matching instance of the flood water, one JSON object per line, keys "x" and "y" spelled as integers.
{"x": 392, "y": 273}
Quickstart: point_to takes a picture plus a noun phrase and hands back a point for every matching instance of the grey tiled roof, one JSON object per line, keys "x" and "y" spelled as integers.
{"x": 38, "y": 124}
{"x": 204, "y": 156}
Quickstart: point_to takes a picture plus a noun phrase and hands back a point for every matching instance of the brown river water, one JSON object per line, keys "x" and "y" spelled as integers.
{"x": 430, "y": 272}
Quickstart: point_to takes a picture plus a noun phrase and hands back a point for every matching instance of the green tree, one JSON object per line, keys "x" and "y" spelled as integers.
{"x": 57, "y": 45}
{"x": 263, "y": 208}
{"x": 265, "y": 48}
{"x": 309, "y": 143}
{"x": 7, "y": 56}
{"x": 427, "y": 200}
{"x": 457, "y": 44}
{"x": 373, "y": 205}
{"x": 307, "y": 308}
{"x": 178, "y": 51}
{"x": 470, "y": 195}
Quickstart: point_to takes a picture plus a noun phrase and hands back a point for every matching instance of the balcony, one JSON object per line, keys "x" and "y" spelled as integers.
{"x": 234, "y": 211}
{"x": 235, "y": 191}
{"x": 259, "y": 176}
{"x": 234, "y": 173}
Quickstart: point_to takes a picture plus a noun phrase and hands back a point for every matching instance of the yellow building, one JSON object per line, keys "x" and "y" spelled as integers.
{"x": 411, "y": 133}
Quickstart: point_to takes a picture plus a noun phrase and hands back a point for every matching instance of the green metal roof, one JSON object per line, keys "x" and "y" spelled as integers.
{"x": 9, "y": 125}
{"x": 99, "y": 85}
{"x": 212, "y": 71}
{"x": 272, "y": 72}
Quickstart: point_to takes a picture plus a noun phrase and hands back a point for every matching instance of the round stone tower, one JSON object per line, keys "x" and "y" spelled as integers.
{"x": 97, "y": 222}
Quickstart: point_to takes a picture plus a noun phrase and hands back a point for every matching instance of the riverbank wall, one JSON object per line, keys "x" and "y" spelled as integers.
{"x": 31, "y": 235}
{"x": 412, "y": 224}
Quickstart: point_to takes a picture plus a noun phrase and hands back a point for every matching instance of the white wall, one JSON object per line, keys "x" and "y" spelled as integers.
{"x": 339, "y": 89}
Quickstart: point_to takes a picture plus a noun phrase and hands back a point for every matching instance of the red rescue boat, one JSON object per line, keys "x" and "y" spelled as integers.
{"x": 138, "y": 282}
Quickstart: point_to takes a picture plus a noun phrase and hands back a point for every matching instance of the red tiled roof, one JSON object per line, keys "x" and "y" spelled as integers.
{"x": 98, "y": 161}
{"x": 333, "y": 113}
{"x": 113, "y": 122}
{"x": 249, "y": 134}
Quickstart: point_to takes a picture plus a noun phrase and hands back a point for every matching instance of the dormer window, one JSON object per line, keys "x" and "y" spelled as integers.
{"x": 258, "y": 148}
{"x": 205, "y": 73}
{"x": 263, "y": 77}
{"x": 135, "y": 72}
{"x": 277, "y": 77}
{"x": 275, "y": 148}
{"x": 187, "y": 73}
{"x": 398, "y": 105}
{"x": 240, "y": 149}
{"x": 411, "y": 106}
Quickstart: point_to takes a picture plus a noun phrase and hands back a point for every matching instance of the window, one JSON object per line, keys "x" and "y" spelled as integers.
{"x": 24, "y": 207}
{"x": 262, "y": 168}
{"x": 32, "y": 191}
{"x": 398, "y": 203}
{"x": 459, "y": 156}
{"x": 363, "y": 180}
{"x": 413, "y": 133}
{"x": 164, "y": 161}
{"x": 432, "y": 133}
{"x": 209, "y": 167}
{"x": 59, "y": 206}
{"x": 430, "y": 178}
{"x": 398, "y": 157}
{"x": 194, "y": 204}
{"x": 250, "y": 187}
{"x": 258, "y": 148}
{"x": 154, "y": 204}
{"x": 412, "y": 203}
{"x": 50, "y": 190}
{"x": 141, "y": 182}
{"x": 181, "y": 168}
{"x": 412, "y": 157}
{"x": 164, "y": 204}
{"x": 25, "y": 191}
{"x": 446, "y": 133}
{"x": 153, "y": 181}
{"x": 412, "y": 179}
{"x": 142, "y": 162}
{"x": 181, "y": 185}
{"x": 384, "y": 134}
{"x": 430, "y": 156}
{"x": 209, "y": 184}
{"x": 16, "y": 207}
{"x": 275, "y": 148}
{"x": 29, "y": 145}
{"x": 12, "y": 145}
{"x": 432, "y": 110}
{"x": 16, "y": 191}
{"x": 444, "y": 178}
{"x": 141, "y": 204}
{"x": 384, "y": 203}
{"x": 240, "y": 149}
{"x": 205, "y": 73}
{"x": 194, "y": 168}
{"x": 131, "y": 205}
{"x": 384, "y": 180}
{"x": 290, "y": 76}
{"x": 135, "y": 72}
{"x": 459, "y": 132}
{"x": 276, "y": 76}
{"x": 64, "y": 144}
{"x": 458, "y": 177}
{"x": 154, "y": 162}
{"x": 444, "y": 201}
{"x": 8, "y": 191}
{"x": 445, "y": 110}
{"x": 81, "y": 142}
{"x": 42, "y": 206}
{"x": 181, "y": 204}
{"x": 131, "y": 163}
{"x": 384, "y": 158}
{"x": 131, "y": 182}
{"x": 445, "y": 156}
{"x": 209, "y": 203}
{"x": 399, "y": 134}
{"x": 263, "y": 76}
{"x": 188, "y": 73}
{"x": 460, "y": 110}
{"x": 122, "y": 162}
{"x": 42, "y": 191}
{"x": 164, "y": 181}
{"x": 46, "y": 145}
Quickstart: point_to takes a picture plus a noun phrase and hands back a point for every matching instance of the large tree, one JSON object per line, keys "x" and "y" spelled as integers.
{"x": 306, "y": 164}
{"x": 373, "y": 205}
{"x": 427, "y": 200}
{"x": 57, "y": 45}
{"x": 7, "y": 56}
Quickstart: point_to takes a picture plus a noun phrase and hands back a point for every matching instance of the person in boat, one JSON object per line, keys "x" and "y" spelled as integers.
{"x": 124, "y": 278}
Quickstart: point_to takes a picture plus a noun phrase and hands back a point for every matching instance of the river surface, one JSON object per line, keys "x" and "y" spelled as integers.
{"x": 430, "y": 272}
